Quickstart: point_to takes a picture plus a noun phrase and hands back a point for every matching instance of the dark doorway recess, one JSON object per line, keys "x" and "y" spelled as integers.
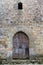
{"x": 20, "y": 46}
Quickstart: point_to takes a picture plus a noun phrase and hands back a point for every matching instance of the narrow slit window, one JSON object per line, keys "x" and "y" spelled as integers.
{"x": 20, "y": 6}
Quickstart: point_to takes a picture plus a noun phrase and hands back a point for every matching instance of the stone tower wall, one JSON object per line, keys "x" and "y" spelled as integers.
{"x": 29, "y": 20}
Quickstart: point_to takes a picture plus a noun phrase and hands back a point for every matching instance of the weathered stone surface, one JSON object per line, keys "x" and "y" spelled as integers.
{"x": 29, "y": 20}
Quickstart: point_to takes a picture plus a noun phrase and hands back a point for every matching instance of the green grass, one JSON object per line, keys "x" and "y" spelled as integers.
{"x": 36, "y": 59}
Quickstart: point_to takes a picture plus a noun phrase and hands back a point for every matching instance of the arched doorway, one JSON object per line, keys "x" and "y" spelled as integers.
{"x": 20, "y": 45}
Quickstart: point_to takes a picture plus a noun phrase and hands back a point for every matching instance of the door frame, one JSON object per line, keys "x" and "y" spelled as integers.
{"x": 28, "y": 43}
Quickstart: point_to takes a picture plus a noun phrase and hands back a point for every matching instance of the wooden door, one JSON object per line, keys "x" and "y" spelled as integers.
{"x": 20, "y": 45}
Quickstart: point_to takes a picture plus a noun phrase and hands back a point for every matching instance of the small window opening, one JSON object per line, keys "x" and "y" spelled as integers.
{"x": 20, "y": 6}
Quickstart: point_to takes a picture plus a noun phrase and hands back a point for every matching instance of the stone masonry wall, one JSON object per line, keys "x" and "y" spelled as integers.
{"x": 29, "y": 20}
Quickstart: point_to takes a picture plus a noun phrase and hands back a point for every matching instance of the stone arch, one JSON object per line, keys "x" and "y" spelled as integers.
{"x": 20, "y": 39}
